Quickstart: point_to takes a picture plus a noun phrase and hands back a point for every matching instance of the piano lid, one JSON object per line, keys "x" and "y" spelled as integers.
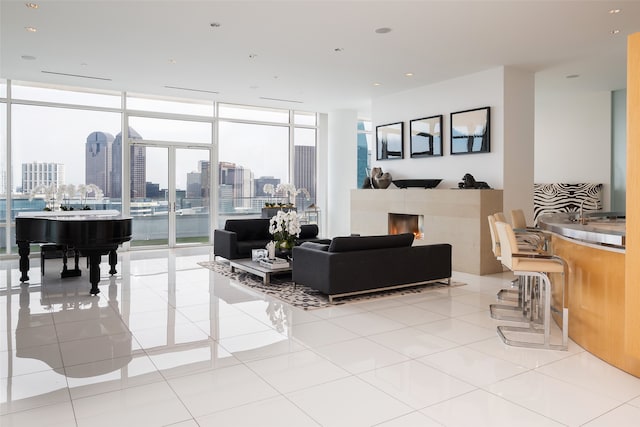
{"x": 76, "y": 214}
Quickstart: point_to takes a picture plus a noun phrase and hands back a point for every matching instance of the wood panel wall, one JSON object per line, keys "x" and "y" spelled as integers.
{"x": 632, "y": 269}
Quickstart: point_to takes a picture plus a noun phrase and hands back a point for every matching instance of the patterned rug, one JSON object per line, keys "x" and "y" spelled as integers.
{"x": 282, "y": 288}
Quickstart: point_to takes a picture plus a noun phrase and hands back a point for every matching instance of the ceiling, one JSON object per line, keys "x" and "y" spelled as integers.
{"x": 311, "y": 55}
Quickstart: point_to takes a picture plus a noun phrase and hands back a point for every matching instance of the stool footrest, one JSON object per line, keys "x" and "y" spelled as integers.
{"x": 528, "y": 344}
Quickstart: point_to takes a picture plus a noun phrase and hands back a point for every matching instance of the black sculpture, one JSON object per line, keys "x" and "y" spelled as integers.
{"x": 468, "y": 181}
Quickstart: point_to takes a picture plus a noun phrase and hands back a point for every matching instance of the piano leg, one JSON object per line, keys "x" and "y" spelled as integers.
{"x": 113, "y": 260}
{"x": 94, "y": 271}
{"x": 23, "y": 250}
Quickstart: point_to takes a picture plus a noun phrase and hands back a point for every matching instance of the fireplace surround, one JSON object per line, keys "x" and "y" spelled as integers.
{"x": 454, "y": 216}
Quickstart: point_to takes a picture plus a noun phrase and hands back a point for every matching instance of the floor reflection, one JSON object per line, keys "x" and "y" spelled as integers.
{"x": 83, "y": 319}
{"x": 161, "y": 317}
{"x": 167, "y": 342}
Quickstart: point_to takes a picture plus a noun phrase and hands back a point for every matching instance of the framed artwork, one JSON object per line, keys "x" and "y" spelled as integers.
{"x": 425, "y": 136}
{"x": 390, "y": 141}
{"x": 470, "y": 131}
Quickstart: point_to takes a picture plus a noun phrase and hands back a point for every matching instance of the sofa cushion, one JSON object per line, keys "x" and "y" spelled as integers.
{"x": 316, "y": 246}
{"x": 308, "y": 231}
{"x": 359, "y": 243}
{"x": 249, "y": 229}
{"x": 244, "y": 247}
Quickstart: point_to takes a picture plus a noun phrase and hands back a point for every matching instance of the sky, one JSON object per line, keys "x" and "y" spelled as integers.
{"x": 58, "y": 135}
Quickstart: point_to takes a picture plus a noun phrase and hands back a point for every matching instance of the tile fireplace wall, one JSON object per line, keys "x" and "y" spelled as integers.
{"x": 458, "y": 217}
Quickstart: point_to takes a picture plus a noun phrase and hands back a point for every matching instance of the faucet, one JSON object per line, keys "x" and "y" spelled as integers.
{"x": 583, "y": 219}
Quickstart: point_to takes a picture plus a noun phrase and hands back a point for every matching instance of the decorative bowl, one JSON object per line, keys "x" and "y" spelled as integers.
{"x": 419, "y": 183}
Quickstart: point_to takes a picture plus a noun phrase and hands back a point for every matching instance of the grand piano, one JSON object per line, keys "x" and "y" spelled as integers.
{"x": 92, "y": 233}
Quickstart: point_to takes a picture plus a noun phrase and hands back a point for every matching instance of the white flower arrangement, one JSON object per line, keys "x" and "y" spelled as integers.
{"x": 55, "y": 195}
{"x": 269, "y": 189}
{"x": 285, "y": 227}
{"x": 287, "y": 191}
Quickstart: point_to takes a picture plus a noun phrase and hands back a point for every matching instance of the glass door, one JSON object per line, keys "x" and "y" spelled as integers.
{"x": 150, "y": 205}
{"x": 191, "y": 191}
{"x": 170, "y": 194}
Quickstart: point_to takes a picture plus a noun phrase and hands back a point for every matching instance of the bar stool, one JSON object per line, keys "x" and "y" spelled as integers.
{"x": 534, "y": 236}
{"x": 515, "y": 294}
{"x": 538, "y": 267}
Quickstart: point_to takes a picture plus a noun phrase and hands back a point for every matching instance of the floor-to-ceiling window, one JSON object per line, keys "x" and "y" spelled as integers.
{"x": 60, "y": 149}
{"x": 261, "y": 147}
{"x": 171, "y": 144}
{"x": 53, "y": 136}
{"x": 4, "y": 165}
{"x": 365, "y": 146}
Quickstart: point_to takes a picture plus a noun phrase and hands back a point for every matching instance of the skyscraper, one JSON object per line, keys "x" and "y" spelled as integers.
{"x": 304, "y": 173}
{"x": 98, "y": 160}
{"x": 240, "y": 181}
{"x": 137, "y": 165}
{"x": 204, "y": 166}
{"x": 36, "y": 173}
{"x": 194, "y": 186}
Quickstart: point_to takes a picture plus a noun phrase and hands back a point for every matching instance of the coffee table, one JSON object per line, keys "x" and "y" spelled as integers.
{"x": 256, "y": 268}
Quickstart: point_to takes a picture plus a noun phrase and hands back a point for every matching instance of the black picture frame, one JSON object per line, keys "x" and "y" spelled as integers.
{"x": 470, "y": 131}
{"x": 425, "y": 136}
{"x": 390, "y": 141}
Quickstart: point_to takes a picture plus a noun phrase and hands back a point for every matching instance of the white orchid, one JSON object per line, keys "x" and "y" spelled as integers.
{"x": 289, "y": 192}
{"x": 285, "y": 227}
{"x": 53, "y": 194}
{"x": 269, "y": 189}
{"x": 49, "y": 192}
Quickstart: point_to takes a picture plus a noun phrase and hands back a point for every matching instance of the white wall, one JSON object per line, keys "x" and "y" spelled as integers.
{"x": 509, "y": 166}
{"x": 573, "y": 139}
{"x": 518, "y": 116}
{"x": 342, "y": 170}
{"x": 464, "y": 93}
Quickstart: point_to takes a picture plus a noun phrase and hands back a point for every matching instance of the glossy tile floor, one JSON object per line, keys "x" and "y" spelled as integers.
{"x": 169, "y": 343}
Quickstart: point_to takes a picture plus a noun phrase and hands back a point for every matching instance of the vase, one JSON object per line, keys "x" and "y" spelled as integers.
{"x": 284, "y": 253}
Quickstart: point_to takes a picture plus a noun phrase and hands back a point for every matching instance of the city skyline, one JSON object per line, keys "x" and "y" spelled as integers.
{"x": 103, "y": 168}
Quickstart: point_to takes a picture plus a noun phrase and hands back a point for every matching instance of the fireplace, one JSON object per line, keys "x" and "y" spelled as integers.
{"x": 406, "y": 223}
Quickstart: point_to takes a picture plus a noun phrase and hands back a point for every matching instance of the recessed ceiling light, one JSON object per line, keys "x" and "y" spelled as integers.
{"x": 32, "y": 5}
{"x": 377, "y": 84}
{"x": 614, "y": 32}
{"x": 573, "y": 76}
{"x": 408, "y": 74}
{"x": 383, "y": 30}
{"x": 614, "y": 11}
{"x": 253, "y": 55}
{"x": 28, "y": 57}
{"x": 172, "y": 61}
{"x": 215, "y": 25}
{"x": 31, "y": 29}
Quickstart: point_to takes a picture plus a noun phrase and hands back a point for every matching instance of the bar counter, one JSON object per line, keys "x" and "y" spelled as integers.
{"x": 593, "y": 247}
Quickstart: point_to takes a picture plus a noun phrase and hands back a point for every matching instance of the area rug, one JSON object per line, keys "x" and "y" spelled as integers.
{"x": 297, "y": 295}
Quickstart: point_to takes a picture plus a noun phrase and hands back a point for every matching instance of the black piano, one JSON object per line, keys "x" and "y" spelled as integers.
{"x": 92, "y": 233}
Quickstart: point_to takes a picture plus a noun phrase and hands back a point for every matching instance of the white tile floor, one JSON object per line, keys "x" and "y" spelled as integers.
{"x": 169, "y": 343}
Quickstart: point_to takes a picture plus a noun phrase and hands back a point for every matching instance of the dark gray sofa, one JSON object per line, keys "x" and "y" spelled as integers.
{"x": 355, "y": 264}
{"x": 240, "y": 236}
